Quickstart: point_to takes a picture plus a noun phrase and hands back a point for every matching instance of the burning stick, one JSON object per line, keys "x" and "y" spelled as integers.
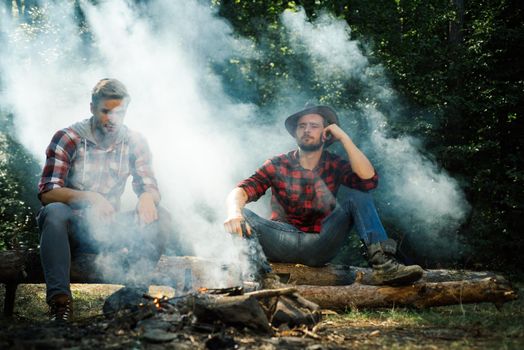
{"x": 159, "y": 302}
{"x": 231, "y": 291}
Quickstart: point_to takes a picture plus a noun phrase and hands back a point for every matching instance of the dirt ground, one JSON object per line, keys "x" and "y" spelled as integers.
{"x": 479, "y": 326}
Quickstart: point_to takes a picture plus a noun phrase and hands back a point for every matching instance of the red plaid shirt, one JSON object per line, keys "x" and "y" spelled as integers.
{"x": 301, "y": 197}
{"x": 75, "y": 162}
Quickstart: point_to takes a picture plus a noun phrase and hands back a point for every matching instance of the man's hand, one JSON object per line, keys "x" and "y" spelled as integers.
{"x": 334, "y": 131}
{"x": 238, "y": 225}
{"x": 360, "y": 164}
{"x": 235, "y": 222}
{"x": 101, "y": 206}
{"x": 146, "y": 209}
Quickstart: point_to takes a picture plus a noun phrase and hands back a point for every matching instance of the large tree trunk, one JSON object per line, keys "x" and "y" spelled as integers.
{"x": 456, "y": 24}
{"x": 330, "y": 287}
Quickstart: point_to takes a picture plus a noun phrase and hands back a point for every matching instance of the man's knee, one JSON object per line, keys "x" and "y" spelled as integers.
{"x": 357, "y": 195}
{"x": 55, "y": 214}
{"x": 249, "y": 215}
{"x": 164, "y": 228}
{"x": 164, "y": 217}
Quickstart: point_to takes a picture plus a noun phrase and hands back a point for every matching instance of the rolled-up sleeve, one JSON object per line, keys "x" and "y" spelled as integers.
{"x": 59, "y": 154}
{"x": 352, "y": 180}
{"x": 257, "y": 184}
{"x": 144, "y": 179}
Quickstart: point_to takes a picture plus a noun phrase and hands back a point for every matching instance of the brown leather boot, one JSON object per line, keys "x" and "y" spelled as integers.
{"x": 386, "y": 268}
{"x": 60, "y": 308}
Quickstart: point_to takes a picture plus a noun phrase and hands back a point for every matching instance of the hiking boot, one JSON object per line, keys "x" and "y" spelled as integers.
{"x": 386, "y": 268}
{"x": 271, "y": 280}
{"x": 60, "y": 308}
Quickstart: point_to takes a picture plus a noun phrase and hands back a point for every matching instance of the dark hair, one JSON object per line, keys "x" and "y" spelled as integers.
{"x": 107, "y": 89}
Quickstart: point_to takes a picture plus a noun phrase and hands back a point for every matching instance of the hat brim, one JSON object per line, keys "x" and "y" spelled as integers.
{"x": 327, "y": 112}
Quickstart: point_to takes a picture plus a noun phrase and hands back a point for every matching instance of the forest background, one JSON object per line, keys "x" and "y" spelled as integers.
{"x": 458, "y": 72}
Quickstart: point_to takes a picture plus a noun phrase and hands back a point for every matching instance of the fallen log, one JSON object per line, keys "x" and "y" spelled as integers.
{"x": 341, "y": 275}
{"x": 419, "y": 295}
{"x": 185, "y": 272}
{"x": 24, "y": 267}
{"x": 320, "y": 285}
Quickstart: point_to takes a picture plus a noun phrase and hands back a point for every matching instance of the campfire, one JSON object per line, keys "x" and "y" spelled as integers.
{"x": 213, "y": 316}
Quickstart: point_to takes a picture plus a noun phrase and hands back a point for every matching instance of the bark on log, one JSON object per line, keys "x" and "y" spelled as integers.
{"x": 341, "y": 275}
{"x": 419, "y": 295}
{"x": 24, "y": 267}
{"x": 185, "y": 273}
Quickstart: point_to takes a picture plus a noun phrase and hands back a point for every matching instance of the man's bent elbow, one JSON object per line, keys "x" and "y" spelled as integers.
{"x": 45, "y": 198}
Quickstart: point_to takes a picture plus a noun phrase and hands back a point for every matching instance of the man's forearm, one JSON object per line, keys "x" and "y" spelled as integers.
{"x": 235, "y": 202}
{"x": 155, "y": 196}
{"x": 67, "y": 196}
{"x": 360, "y": 164}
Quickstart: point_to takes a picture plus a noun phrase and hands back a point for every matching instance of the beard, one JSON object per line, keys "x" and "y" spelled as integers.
{"x": 106, "y": 134}
{"x": 310, "y": 147}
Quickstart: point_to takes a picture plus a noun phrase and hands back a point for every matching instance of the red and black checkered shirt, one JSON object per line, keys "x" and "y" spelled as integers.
{"x": 301, "y": 197}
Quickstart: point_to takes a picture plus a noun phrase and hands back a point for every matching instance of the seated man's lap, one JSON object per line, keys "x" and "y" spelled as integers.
{"x": 284, "y": 243}
{"x": 88, "y": 233}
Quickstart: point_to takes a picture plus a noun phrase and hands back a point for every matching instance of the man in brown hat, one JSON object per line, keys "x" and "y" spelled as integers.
{"x": 308, "y": 225}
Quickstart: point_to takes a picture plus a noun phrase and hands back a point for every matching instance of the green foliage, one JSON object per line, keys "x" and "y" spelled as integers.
{"x": 462, "y": 93}
{"x": 18, "y": 202}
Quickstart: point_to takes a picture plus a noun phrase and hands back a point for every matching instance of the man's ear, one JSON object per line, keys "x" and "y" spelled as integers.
{"x": 325, "y": 136}
{"x": 92, "y": 108}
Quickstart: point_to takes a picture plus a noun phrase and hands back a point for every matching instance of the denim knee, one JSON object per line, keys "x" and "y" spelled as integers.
{"x": 358, "y": 196}
{"x": 54, "y": 214}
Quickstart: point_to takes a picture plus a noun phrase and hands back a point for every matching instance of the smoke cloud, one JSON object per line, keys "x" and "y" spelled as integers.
{"x": 202, "y": 138}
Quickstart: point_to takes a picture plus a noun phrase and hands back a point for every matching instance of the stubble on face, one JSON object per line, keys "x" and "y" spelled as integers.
{"x": 310, "y": 147}
{"x": 108, "y": 118}
{"x": 309, "y": 132}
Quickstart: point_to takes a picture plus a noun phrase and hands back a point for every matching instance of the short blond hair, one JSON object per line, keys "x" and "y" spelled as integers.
{"x": 108, "y": 89}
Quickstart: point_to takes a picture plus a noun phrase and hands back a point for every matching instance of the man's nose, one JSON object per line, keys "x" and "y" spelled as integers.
{"x": 114, "y": 116}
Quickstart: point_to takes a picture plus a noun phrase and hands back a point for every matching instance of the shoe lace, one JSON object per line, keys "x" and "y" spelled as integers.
{"x": 60, "y": 312}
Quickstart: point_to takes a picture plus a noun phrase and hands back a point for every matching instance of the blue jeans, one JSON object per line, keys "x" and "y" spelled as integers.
{"x": 63, "y": 233}
{"x": 282, "y": 242}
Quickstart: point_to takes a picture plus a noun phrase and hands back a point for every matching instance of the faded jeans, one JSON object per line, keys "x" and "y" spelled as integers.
{"x": 282, "y": 242}
{"x": 64, "y": 233}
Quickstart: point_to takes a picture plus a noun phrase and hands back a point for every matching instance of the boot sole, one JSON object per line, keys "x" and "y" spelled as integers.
{"x": 407, "y": 279}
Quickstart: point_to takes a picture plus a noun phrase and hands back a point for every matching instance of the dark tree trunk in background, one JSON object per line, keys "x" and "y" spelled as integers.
{"x": 22, "y": 7}
{"x": 456, "y": 25}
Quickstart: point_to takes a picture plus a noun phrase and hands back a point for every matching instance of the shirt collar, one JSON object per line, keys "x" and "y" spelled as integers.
{"x": 294, "y": 158}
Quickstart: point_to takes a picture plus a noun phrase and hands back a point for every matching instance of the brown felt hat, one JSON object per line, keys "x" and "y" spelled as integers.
{"x": 325, "y": 111}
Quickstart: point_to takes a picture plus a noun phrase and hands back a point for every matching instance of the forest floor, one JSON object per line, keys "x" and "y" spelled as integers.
{"x": 479, "y": 326}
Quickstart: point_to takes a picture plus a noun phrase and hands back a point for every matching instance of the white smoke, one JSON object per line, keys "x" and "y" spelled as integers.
{"x": 177, "y": 102}
{"x": 203, "y": 141}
